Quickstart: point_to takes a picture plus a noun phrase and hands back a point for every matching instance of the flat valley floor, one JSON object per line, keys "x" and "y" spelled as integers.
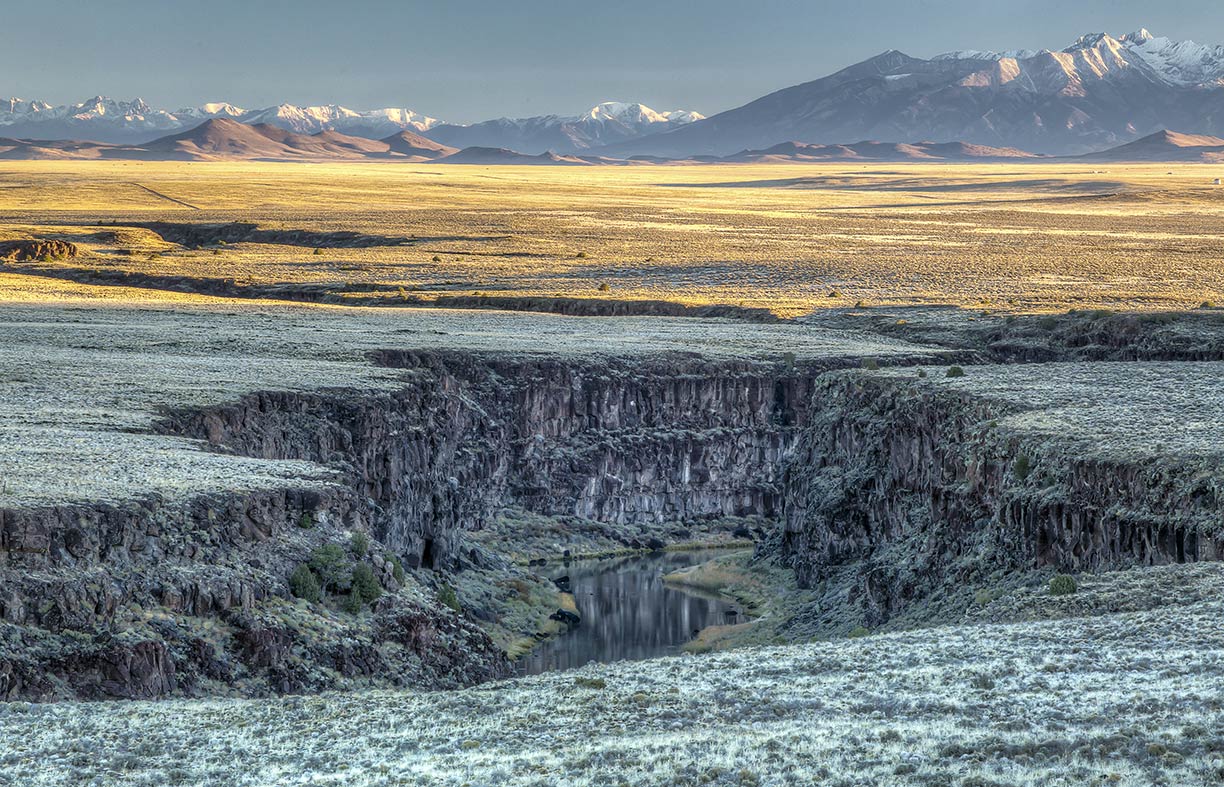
{"x": 788, "y": 238}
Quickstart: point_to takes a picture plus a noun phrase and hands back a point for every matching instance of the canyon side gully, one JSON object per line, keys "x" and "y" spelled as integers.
{"x": 846, "y": 470}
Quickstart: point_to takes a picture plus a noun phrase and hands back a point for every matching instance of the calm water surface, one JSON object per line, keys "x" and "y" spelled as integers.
{"x": 627, "y": 611}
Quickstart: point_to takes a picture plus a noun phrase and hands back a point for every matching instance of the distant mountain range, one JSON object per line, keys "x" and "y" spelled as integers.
{"x": 605, "y": 124}
{"x": 223, "y": 139}
{"x": 103, "y": 119}
{"x": 1097, "y": 93}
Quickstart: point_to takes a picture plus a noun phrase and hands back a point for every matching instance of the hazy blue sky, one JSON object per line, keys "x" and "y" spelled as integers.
{"x": 468, "y": 60}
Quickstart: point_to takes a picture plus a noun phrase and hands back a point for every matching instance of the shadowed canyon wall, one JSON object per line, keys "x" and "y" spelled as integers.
{"x": 922, "y": 488}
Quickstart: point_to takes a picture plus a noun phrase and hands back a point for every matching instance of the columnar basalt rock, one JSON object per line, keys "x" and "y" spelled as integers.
{"x": 922, "y": 488}
{"x": 670, "y": 440}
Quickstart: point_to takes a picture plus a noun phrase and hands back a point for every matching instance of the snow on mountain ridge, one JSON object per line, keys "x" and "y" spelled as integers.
{"x": 213, "y": 110}
{"x": 108, "y": 119}
{"x": 602, "y": 124}
{"x": 1180, "y": 63}
{"x": 338, "y": 118}
{"x": 630, "y": 114}
{"x": 985, "y": 54}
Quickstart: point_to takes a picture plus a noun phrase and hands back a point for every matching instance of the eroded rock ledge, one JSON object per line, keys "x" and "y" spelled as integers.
{"x": 670, "y": 440}
{"x": 919, "y": 489}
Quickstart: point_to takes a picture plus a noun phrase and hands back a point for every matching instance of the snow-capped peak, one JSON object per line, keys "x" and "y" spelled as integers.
{"x": 682, "y": 116}
{"x": 985, "y": 54}
{"x": 1181, "y": 63}
{"x": 19, "y": 106}
{"x": 625, "y": 112}
{"x": 1088, "y": 41}
{"x": 1178, "y": 62}
{"x": 338, "y": 118}
{"x": 636, "y": 115}
{"x": 212, "y": 110}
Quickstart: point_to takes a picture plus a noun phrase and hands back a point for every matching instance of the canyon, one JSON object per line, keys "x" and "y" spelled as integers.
{"x": 175, "y": 578}
{"x": 857, "y": 460}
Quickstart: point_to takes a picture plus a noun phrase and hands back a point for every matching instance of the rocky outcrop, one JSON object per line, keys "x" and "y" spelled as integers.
{"x": 155, "y": 598}
{"x": 920, "y": 489}
{"x": 37, "y": 249}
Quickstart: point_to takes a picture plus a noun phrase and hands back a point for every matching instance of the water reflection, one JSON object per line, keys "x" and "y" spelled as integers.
{"x": 627, "y": 611}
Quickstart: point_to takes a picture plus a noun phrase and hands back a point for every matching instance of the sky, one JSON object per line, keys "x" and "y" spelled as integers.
{"x": 470, "y": 60}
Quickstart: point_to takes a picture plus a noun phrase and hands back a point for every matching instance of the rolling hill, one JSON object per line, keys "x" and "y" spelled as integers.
{"x": 495, "y": 156}
{"x": 794, "y": 152}
{"x": 1167, "y": 146}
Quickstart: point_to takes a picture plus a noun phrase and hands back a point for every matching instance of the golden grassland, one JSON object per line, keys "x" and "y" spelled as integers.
{"x": 1011, "y": 237}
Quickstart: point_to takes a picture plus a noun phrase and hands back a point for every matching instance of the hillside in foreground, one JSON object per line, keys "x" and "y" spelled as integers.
{"x": 1119, "y": 699}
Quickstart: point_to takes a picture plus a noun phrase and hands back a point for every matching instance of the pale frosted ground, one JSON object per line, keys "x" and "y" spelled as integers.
{"x": 82, "y": 381}
{"x": 1126, "y": 699}
{"x": 1111, "y": 410}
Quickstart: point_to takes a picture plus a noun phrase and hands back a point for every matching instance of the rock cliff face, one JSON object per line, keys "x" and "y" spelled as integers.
{"x": 148, "y": 598}
{"x": 921, "y": 489}
{"x": 145, "y": 599}
{"x": 624, "y": 441}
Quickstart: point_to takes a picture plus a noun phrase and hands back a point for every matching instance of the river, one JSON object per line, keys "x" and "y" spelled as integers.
{"x": 628, "y": 612}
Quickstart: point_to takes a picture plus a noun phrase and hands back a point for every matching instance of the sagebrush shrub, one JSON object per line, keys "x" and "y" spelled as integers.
{"x": 446, "y": 594}
{"x": 331, "y": 566}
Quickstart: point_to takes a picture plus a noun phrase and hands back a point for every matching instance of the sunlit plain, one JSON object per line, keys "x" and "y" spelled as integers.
{"x": 1011, "y": 237}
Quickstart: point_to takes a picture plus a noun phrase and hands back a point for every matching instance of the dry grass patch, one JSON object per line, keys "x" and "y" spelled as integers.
{"x": 1000, "y": 236}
